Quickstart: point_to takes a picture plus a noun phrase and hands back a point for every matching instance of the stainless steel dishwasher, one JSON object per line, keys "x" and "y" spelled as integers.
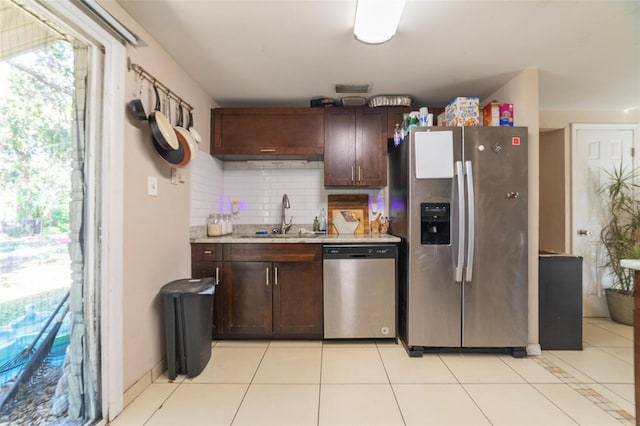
{"x": 359, "y": 288}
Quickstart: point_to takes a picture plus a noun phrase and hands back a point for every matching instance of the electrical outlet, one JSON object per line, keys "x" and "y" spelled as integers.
{"x": 152, "y": 186}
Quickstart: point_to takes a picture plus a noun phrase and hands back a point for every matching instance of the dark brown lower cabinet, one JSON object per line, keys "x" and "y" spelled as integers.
{"x": 297, "y": 299}
{"x": 265, "y": 290}
{"x": 206, "y": 261}
{"x": 247, "y": 298}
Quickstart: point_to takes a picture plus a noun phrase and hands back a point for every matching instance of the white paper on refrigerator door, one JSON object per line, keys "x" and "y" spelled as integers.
{"x": 434, "y": 155}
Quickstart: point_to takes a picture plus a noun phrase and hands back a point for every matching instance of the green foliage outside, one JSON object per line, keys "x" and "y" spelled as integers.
{"x": 35, "y": 141}
{"x": 36, "y": 99}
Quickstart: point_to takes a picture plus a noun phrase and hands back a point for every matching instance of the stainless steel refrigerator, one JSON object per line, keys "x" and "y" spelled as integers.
{"x": 458, "y": 200}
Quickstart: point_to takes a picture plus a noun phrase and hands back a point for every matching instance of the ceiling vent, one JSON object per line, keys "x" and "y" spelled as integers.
{"x": 353, "y": 87}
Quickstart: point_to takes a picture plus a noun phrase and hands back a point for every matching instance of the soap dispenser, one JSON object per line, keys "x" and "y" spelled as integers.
{"x": 323, "y": 221}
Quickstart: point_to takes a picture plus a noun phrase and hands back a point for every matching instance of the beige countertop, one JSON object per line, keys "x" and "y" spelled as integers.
{"x": 297, "y": 238}
{"x": 631, "y": 264}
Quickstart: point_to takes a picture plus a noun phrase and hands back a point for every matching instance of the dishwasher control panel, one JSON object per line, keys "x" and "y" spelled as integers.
{"x": 365, "y": 251}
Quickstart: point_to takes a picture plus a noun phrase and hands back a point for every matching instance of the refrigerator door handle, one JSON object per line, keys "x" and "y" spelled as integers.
{"x": 472, "y": 220}
{"x": 461, "y": 221}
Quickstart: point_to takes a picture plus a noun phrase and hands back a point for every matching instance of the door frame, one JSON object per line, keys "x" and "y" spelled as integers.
{"x": 575, "y": 127}
{"x": 107, "y": 126}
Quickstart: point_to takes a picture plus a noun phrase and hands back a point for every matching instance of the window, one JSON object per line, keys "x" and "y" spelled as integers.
{"x": 52, "y": 202}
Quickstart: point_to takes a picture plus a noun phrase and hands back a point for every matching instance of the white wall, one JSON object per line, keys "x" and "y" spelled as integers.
{"x": 522, "y": 91}
{"x": 155, "y": 246}
{"x": 563, "y": 119}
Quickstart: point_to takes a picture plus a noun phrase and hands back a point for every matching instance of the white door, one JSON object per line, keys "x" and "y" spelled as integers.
{"x": 596, "y": 148}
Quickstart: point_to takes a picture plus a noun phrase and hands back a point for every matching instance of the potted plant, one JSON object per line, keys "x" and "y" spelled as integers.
{"x": 621, "y": 239}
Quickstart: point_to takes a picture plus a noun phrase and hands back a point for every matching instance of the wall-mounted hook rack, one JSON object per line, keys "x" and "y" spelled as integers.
{"x": 145, "y": 75}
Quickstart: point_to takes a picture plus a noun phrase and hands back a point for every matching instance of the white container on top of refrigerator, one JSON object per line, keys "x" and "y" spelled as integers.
{"x": 458, "y": 200}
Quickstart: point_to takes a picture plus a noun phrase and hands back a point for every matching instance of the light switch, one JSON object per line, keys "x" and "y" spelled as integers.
{"x": 152, "y": 186}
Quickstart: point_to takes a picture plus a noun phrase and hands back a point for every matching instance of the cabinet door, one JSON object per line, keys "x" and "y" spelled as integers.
{"x": 297, "y": 299}
{"x": 200, "y": 269}
{"x": 355, "y": 147}
{"x": 205, "y": 263}
{"x": 267, "y": 133}
{"x": 247, "y": 293}
{"x": 339, "y": 146}
{"x": 371, "y": 147}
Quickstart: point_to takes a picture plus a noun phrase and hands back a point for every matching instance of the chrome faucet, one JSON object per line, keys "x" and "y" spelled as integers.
{"x": 284, "y": 226}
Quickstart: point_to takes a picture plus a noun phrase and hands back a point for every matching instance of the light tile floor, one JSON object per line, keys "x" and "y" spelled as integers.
{"x": 329, "y": 383}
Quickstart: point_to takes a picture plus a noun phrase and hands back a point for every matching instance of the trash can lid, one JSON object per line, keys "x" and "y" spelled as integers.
{"x": 191, "y": 286}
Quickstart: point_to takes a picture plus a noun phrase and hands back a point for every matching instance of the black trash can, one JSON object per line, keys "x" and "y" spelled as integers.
{"x": 188, "y": 314}
{"x": 560, "y": 301}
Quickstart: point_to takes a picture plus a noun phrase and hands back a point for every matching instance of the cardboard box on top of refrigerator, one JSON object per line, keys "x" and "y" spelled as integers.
{"x": 492, "y": 114}
{"x": 462, "y": 112}
{"x": 506, "y": 115}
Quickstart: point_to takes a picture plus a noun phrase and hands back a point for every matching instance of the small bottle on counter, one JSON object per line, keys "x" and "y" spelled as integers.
{"x": 316, "y": 224}
{"x": 323, "y": 221}
{"x": 375, "y": 226}
{"x": 384, "y": 225}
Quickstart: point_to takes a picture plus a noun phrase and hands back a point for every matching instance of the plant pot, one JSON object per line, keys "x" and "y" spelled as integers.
{"x": 620, "y": 306}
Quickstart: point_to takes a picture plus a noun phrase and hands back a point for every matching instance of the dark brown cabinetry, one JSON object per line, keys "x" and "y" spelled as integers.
{"x": 267, "y": 290}
{"x": 206, "y": 261}
{"x": 247, "y": 299}
{"x": 264, "y": 133}
{"x": 355, "y": 147}
{"x": 297, "y": 298}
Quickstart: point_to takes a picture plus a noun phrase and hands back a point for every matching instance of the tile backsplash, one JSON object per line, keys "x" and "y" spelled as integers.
{"x": 207, "y": 178}
{"x": 259, "y": 186}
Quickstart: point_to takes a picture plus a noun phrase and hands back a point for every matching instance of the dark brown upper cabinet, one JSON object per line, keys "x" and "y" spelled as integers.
{"x": 355, "y": 147}
{"x": 267, "y": 133}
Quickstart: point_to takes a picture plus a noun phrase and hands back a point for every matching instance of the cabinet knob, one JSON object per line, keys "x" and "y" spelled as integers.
{"x": 267, "y": 150}
{"x": 267, "y": 275}
{"x": 584, "y": 232}
{"x": 275, "y": 275}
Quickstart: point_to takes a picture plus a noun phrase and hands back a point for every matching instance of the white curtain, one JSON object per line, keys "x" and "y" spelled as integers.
{"x": 76, "y": 391}
{"x": 79, "y": 380}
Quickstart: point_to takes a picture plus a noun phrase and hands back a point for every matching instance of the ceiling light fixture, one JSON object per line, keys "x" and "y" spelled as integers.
{"x": 377, "y": 20}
